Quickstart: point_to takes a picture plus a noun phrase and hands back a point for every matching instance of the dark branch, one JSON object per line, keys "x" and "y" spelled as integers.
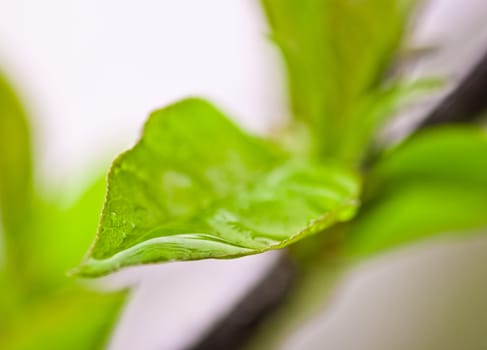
{"x": 236, "y": 328}
{"x": 465, "y": 103}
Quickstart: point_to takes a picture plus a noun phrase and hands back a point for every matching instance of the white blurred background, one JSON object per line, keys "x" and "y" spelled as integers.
{"x": 92, "y": 71}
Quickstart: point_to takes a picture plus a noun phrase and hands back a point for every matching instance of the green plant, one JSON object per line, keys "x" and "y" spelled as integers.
{"x": 196, "y": 186}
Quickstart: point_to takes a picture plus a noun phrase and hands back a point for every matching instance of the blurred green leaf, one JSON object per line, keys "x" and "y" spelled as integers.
{"x": 69, "y": 319}
{"x": 54, "y": 312}
{"x": 196, "y": 187}
{"x": 63, "y": 230}
{"x": 452, "y": 153}
{"x": 15, "y": 167}
{"x": 434, "y": 182}
{"x": 337, "y": 53}
{"x": 375, "y": 108}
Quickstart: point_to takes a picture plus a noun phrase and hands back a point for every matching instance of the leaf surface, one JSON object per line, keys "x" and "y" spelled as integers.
{"x": 195, "y": 186}
{"x": 433, "y": 183}
{"x": 52, "y": 311}
{"x": 69, "y": 319}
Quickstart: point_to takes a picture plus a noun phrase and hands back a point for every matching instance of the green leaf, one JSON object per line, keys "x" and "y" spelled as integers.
{"x": 61, "y": 231}
{"x": 196, "y": 187}
{"x": 433, "y": 183}
{"x": 374, "y": 109}
{"x": 15, "y": 192}
{"x": 69, "y": 319}
{"x": 453, "y": 153}
{"x": 337, "y": 53}
{"x": 51, "y": 311}
{"x": 15, "y": 165}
